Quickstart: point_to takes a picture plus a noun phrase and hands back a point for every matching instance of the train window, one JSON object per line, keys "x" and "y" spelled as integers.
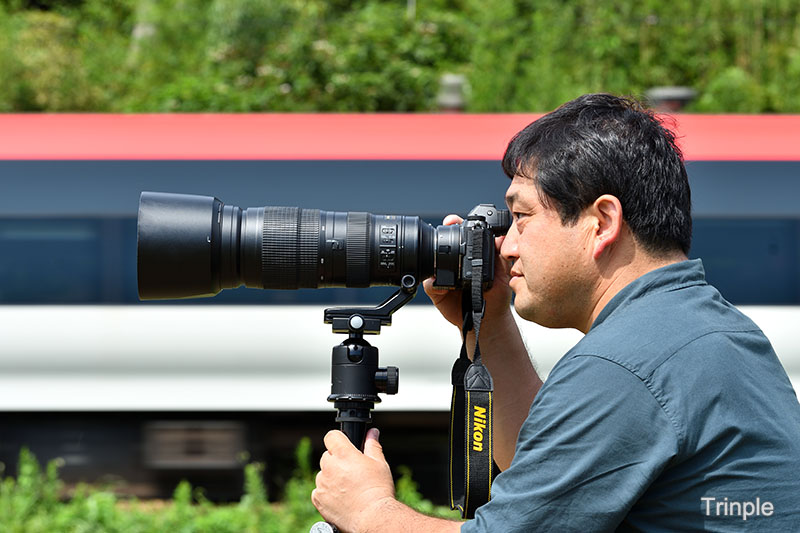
{"x": 63, "y": 261}
{"x": 751, "y": 261}
{"x": 93, "y": 261}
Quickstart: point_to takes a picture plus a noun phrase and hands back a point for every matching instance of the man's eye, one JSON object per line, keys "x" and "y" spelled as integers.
{"x": 518, "y": 216}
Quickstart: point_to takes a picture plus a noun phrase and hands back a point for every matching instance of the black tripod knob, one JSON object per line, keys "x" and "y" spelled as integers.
{"x": 387, "y": 380}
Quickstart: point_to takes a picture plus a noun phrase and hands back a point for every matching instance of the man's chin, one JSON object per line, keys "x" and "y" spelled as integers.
{"x": 523, "y": 309}
{"x": 527, "y": 311}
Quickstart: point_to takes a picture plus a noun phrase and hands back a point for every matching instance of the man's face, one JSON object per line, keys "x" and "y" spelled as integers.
{"x": 552, "y": 271}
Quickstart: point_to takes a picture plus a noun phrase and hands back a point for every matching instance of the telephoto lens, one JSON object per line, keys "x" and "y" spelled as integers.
{"x": 194, "y": 246}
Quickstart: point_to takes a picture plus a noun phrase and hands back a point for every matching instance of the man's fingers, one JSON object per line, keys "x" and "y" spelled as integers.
{"x": 498, "y": 242}
{"x": 429, "y": 288}
{"x": 372, "y": 447}
{"x": 337, "y": 443}
{"x": 324, "y": 459}
{"x": 449, "y": 220}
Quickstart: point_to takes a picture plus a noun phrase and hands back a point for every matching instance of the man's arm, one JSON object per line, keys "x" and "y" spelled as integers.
{"x": 515, "y": 381}
{"x": 355, "y": 491}
{"x": 502, "y": 351}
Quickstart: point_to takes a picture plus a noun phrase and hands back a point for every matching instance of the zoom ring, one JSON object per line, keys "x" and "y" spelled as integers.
{"x": 279, "y": 250}
{"x": 357, "y": 249}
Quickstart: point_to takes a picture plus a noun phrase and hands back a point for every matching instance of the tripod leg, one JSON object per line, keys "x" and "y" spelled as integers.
{"x": 356, "y": 432}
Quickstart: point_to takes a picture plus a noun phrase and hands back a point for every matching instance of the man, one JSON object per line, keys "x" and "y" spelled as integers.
{"x": 671, "y": 414}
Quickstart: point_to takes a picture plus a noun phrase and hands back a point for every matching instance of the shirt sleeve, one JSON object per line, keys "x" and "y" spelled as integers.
{"x": 594, "y": 440}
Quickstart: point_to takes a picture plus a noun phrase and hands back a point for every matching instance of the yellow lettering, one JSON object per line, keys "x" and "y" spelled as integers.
{"x": 479, "y": 423}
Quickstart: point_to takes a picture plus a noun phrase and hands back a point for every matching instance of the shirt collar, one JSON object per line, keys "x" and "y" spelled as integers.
{"x": 670, "y": 277}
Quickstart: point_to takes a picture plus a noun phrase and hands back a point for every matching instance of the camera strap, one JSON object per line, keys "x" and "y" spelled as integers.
{"x": 471, "y": 460}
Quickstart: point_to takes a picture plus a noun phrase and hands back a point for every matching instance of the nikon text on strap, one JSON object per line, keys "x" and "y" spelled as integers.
{"x": 471, "y": 458}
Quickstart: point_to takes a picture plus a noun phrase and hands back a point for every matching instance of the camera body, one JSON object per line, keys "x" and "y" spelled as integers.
{"x": 483, "y": 218}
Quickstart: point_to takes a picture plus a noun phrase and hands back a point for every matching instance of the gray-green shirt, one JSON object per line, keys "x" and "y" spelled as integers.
{"x": 673, "y": 413}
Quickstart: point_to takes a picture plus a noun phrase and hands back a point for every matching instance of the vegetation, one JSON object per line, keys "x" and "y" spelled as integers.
{"x": 32, "y": 503}
{"x": 387, "y": 55}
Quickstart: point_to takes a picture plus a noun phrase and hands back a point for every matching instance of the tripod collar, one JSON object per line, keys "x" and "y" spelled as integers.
{"x": 358, "y": 321}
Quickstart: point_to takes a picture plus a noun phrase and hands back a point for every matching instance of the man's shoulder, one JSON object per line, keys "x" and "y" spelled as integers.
{"x": 667, "y": 327}
{"x": 707, "y": 364}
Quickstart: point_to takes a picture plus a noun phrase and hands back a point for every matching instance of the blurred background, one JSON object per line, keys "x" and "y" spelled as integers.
{"x": 141, "y": 395}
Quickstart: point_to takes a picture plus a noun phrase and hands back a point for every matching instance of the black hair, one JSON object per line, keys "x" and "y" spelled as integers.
{"x": 603, "y": 144}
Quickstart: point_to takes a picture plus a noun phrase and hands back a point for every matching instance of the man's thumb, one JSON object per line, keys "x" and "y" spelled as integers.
{"x": 373, "y": 448}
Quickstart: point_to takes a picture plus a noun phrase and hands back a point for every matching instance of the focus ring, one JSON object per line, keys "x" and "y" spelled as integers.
{"x": 307, "y": 266}
{"x": 279, "y": 247}
{"x": 357, "y": 249}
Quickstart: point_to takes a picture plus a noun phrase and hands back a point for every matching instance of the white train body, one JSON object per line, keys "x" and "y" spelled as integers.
{"x": 247, "y": 358}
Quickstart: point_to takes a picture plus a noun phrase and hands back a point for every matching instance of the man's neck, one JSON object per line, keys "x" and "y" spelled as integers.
{"x": 622, "y": 270}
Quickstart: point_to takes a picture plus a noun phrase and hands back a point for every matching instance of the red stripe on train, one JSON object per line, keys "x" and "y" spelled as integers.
{"x": 350, "y": 136}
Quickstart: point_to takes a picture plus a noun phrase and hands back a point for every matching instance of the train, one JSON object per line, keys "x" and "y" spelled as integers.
{"x": 146, "y": 393}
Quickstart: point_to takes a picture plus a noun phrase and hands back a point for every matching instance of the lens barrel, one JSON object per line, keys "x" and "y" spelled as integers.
{"x": 191, "y": 246}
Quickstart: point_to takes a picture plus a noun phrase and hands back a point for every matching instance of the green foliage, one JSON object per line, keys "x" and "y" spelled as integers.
{"x": 32, "y": 503}
{"x": 377, "y": 55}
{"x": 534, "y": 55}
{"x": 297, "y": 493}
{"x": 406, "y": 491}
{"x": 734, "y": 90}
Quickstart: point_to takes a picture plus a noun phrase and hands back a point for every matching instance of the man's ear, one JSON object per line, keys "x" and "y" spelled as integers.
{"x": 608, "y": 212}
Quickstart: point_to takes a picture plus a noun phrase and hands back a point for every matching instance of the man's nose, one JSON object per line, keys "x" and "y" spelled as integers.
{"x": 508, "y": 250}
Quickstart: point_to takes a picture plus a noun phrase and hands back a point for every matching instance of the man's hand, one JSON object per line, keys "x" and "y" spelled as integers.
{"x": 352, "y": 487}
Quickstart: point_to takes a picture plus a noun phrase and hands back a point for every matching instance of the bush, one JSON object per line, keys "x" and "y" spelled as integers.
{"x": 376, "y": 55}
{"x": 536, "y": 55}
{"x": 31, "y": 504}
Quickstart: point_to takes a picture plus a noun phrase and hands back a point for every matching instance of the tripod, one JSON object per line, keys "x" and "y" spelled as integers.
{"x": 356, "y": 377}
